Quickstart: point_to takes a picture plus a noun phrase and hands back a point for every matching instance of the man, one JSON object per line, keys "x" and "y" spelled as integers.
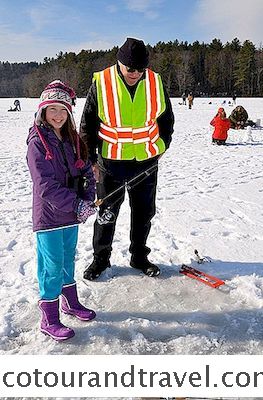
{"x": 128, "y": 120}
{"x": 238, "y": 118}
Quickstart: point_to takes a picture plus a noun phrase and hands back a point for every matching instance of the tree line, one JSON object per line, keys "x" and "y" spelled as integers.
{"x": 213, "y": 69}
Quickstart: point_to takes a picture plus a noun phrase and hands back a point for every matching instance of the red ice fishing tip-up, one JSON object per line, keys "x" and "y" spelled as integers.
{"x": 201, "y": 276}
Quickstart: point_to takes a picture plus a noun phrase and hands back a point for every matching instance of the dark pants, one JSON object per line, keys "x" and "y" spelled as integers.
{"x": 218, "y": 141}
{"x": 142, "y": 195}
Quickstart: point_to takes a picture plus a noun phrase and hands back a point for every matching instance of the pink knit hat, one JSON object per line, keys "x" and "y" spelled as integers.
{"x": 56, "y": 92}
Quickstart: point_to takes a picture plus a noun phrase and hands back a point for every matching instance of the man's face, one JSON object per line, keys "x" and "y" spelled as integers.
{"x": 131, "y": 76}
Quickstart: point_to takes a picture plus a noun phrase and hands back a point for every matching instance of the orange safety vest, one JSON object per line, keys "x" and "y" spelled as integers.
{"x": 129, "y": 129}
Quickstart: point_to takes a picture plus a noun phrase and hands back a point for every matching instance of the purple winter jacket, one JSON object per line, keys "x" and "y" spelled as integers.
{"x": 54, "y": 204}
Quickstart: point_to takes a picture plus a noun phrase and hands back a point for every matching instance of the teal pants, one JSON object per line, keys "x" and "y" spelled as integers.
{"x": 56, "y": 260}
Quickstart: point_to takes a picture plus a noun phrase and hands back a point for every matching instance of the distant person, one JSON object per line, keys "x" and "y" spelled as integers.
{"x": 190, "y": 99}
{"x": 238, "y": 118}
{"x": 221, "y": 126}
{"x": 60, "y": 203}
{"x": 234, "y": 97}
{"x": 17, "y": 105}
{"x": 184, "y": 98}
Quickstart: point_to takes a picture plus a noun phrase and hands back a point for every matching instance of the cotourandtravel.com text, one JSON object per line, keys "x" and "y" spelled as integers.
{"x": 130, "y": 378}
{"x": 109, "y": 376}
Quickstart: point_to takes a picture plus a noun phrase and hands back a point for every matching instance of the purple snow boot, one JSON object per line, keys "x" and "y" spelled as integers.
{"x": 50, "y": 323}
{"x": 70, "y": 304}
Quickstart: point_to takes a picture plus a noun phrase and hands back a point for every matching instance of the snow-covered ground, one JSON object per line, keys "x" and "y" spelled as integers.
{"x": 209, "y": 198}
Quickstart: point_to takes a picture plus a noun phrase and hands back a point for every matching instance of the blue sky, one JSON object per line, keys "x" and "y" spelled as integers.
{"x": 33, "y": 29}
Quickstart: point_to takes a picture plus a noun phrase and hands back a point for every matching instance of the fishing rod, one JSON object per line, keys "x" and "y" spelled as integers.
{"x": 127, "y": 184}
{"x": 108, "y": 216}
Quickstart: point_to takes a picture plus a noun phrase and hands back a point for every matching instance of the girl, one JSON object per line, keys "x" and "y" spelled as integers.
{"x": 60, "y": 202}
{"x": 221, "y": 125}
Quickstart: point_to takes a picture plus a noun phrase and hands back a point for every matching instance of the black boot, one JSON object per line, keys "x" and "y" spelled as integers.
{"x": 94, "y": 270}
{"x": 145, "y": 266}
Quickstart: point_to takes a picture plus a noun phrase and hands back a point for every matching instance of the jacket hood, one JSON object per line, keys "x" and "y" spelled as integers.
{"x": 45, "y": 136}
{"x": 32, "y": 133}
{"x": 46, "y": 132}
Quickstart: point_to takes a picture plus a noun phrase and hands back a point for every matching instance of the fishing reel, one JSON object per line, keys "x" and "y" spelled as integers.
{"x": 107, "y": 217}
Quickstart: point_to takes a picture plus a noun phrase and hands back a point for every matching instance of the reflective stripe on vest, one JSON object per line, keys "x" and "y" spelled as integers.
{"x": 112, "y": 129}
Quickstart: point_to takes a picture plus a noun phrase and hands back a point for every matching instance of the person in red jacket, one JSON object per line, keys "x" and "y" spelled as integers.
{"x": 221, "y": 124}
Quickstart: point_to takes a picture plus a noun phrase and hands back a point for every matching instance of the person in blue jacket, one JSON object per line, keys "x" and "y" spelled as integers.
{"x": 63, "y": 195}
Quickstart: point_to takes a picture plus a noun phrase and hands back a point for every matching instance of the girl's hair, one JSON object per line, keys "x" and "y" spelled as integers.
{"x": 222, "y": 114}
{"x": 68, "y": 131}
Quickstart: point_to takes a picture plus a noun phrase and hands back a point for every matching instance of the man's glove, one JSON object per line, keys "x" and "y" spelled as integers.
{"x": 84, "y": 210}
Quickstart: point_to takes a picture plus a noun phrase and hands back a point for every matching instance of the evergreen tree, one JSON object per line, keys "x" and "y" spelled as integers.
{"x": 245, "y": 70}
{"x": 211, "y": 69}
